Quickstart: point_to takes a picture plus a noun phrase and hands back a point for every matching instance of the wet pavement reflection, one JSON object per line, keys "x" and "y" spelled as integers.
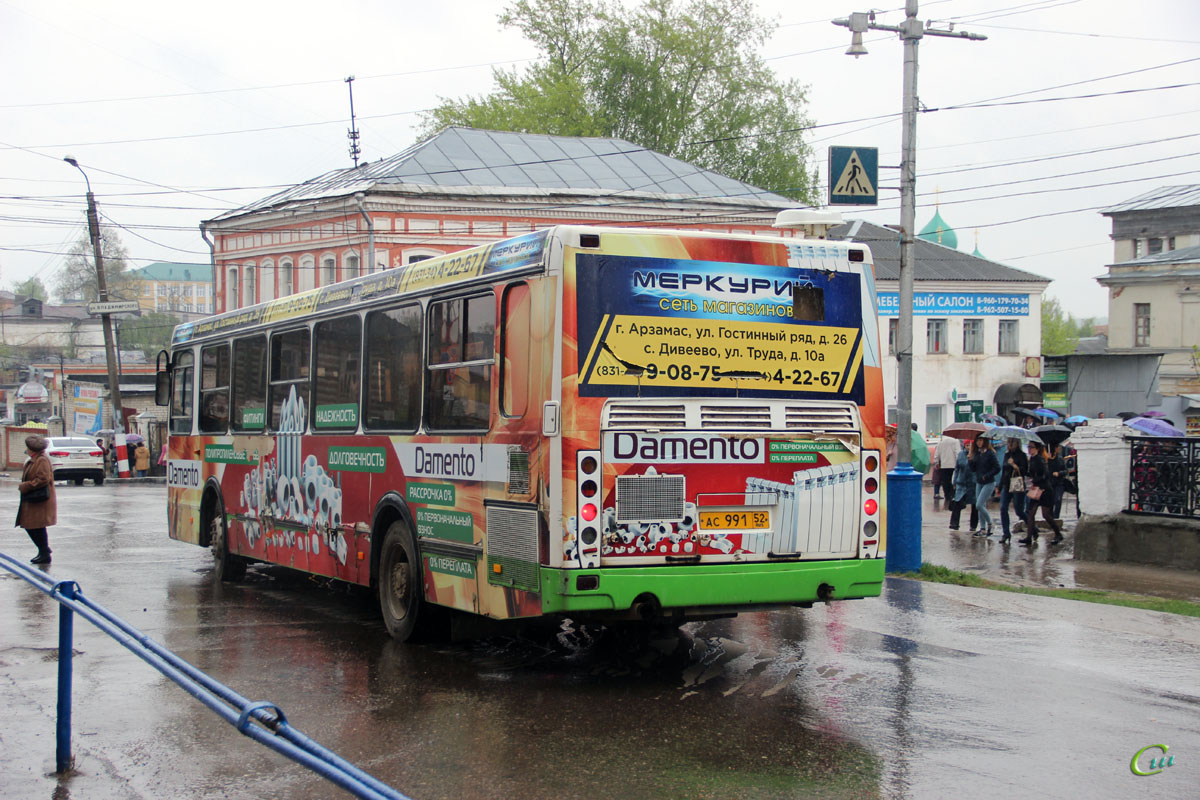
{"x": 929, "y": 691}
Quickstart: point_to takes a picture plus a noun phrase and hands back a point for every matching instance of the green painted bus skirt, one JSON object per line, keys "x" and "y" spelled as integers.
{"x": 771, "y": 583}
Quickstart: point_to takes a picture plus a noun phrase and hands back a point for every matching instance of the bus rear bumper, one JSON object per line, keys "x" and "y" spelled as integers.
{"x": 712, "y": 586}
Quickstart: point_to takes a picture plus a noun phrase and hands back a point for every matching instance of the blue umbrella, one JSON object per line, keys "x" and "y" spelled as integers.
{"x": 1154, "y": 427}
{"x": 1012, "y": 432}
{"x": 993, "y": 419}
{"x": 1047, "y": 413}
{"x": 1078, "y": 419}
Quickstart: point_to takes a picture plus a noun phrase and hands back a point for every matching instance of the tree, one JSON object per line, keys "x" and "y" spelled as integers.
{"x": 1060, "y": 334}
{"x": 32, "y": 287}
{"x": 681, "y": 78}
{"x": 76, "y": 281}
{"x": 149, "y": 333}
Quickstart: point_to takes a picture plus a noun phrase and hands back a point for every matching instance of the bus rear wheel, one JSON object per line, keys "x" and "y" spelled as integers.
{"x": 227, "y": 567}
{"x": 401, "y": 592}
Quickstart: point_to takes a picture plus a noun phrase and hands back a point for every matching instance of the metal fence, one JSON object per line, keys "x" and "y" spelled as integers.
{"x": 264, "y": 722}
{"x": 1164, "y": 476}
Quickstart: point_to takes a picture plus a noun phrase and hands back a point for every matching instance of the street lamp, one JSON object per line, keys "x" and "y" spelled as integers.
{"x": 907, "y": 483}
{"x": 114, "y": 388}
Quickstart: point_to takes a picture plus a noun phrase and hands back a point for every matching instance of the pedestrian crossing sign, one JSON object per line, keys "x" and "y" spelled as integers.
{"x": 853, "y": 176}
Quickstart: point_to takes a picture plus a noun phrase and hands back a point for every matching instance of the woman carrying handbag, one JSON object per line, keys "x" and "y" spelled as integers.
{"x": 1040, "y": 494}
{"x": 1012, "y": 486}
{"x": 38, "y": 509}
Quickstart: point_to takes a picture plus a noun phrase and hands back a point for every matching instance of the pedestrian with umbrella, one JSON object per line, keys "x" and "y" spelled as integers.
{"x": 986, "y": 467}
{"x": 964, "y": 488}
{"x": 1061, "y": 458}
{"x": 1012, "y": 485}
{"x": 1039, "y": 495}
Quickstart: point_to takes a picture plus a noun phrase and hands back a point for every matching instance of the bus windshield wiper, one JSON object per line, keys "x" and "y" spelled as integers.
{"x": 737, "y": 373}
{"x": 630, "y": 369}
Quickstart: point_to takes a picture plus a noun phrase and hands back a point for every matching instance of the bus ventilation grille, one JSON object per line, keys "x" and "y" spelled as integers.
{"x": 512, "y": 543}
{"x": 518, "y": 471}
{"x": 640, "y": 416}
{"x": 827, "y": 418}
{"x": 650, "y": 498}
{"x": 739, "y": 417}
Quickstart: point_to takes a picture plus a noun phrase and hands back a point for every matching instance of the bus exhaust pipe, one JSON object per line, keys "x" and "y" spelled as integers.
{"x": 647, "y": 609}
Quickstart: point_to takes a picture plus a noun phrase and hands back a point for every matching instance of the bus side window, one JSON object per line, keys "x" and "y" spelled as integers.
{"x": 289, "y": 381}
{"x": 181, "y": 393}
{"x": 336, "y": 345}
{"x": 462, "y": 334}
{"x": 250, "y": 384}
{"x": 393, "y": 370}
{"x": 515, "y": 347}
{"x": 214, "y": 388}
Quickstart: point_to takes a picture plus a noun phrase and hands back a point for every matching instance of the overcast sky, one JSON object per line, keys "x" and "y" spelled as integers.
{"x": 181, "y": 111}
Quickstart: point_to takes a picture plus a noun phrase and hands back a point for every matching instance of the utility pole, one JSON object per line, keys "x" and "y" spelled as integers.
{"x": 114, "y": 387}
{"x": 911, "y": 31}
{"x": 352, "y": 134}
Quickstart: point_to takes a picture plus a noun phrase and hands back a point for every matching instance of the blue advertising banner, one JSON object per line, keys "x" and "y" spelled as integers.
{"x": 957, "y": 304}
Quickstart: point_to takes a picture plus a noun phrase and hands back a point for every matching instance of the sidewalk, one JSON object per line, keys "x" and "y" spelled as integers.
{"x": 1044, "y": 564}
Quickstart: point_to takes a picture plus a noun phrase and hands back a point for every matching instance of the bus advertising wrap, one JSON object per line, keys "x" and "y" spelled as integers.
{"x": 659, "y": 327}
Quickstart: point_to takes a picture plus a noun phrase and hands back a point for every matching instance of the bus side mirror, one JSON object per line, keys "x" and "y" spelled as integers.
{"x": 162, "y": 388}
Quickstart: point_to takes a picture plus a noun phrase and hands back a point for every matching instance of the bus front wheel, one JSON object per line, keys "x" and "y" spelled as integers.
{"x": 401, "y": 593}
{"x": 226, "y": 566}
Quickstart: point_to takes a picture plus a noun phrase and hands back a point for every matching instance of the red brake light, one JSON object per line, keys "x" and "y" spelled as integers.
{"x": 58, "y": 454}
{"x": 870, "y": 507}
{"x": 95, "y": 453}
{"x": 588, "y": 512}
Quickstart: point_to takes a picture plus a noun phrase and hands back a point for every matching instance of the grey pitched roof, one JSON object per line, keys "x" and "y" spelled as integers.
{"x": 934, "y": 262}
{"x": 1162, "y": 197}
{"x": 466, "y": 160}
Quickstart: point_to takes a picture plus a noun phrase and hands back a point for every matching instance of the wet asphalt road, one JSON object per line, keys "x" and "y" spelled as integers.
{"x": 931, "y": 691}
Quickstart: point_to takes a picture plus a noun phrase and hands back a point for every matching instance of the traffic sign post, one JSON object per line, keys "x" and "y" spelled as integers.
{"x": 853, "y": 176}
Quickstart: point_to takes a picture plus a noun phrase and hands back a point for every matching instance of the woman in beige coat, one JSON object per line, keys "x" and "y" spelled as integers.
{"x": 36, "y": 516}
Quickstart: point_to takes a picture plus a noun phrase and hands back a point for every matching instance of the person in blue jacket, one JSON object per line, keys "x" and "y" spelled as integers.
{"x": 964, "y": 488}
{"x": 986, "y": 467}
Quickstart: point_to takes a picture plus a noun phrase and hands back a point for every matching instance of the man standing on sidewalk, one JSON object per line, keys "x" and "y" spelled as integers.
{"x": 945, "y": 456}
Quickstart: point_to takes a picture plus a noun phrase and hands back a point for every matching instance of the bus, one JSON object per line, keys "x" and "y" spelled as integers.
{"x": 606, "y": 424}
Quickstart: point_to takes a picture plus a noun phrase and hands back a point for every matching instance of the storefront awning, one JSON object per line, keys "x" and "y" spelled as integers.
{"x": 1016, "y": 394}
{"x": 1191, "y": 402}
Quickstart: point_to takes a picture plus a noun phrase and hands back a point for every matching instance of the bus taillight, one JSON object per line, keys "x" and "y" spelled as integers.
{"x": 588, "y": 487}
{"x": 870, "y": 507}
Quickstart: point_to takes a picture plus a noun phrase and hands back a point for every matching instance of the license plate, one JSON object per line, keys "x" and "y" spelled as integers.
{"x": 735, "y": 520}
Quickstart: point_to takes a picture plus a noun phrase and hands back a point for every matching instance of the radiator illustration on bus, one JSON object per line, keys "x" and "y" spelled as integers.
{"x": 597, "y": 423}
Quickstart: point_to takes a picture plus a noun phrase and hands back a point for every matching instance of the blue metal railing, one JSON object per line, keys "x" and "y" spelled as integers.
{"x": 263, "y": 722}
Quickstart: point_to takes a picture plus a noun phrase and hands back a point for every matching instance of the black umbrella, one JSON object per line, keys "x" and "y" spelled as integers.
{"x": 1128, "y": 414}
{"x": 1053, "y": 435}
{"x": 1025, "y": 412}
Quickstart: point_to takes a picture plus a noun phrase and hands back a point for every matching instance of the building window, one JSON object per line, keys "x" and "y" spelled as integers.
{"x": 328, "y": 271}
{"x": 413, "y": 256}
{"x": 162, "y": 288}
{"x": 248, "y": 283}
{"x": 1137, "y": 247}
{"x": 1009, "y": 341}
{"x": 1170, "y": 242}
{"x": 935, "y": 336}
{"x": 350, "y": 268}
{"x": 231, "y": 289}
{"x": 972, "y": 336}
{"x": 893, "y": 335}
{"x": 1141, "y": 324}
{"x": 1153, "y": 246}
{"x": 285, "y": 278}
{"x": 933, "y": 420}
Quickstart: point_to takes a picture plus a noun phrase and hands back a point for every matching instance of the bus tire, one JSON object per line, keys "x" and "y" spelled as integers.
{"x": 401, "y": 587}
{"x": 227, "y": 567}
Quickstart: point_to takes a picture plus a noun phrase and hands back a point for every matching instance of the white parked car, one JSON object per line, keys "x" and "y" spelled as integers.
{"x": 75, "y": 458}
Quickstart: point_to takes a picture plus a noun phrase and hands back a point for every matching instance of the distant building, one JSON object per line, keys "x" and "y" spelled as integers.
{"x": 169, "y": 287}
{"x": 458, "y": 189}
{"x": 1154, "y": 290}
{"x": 977, "y": 327}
